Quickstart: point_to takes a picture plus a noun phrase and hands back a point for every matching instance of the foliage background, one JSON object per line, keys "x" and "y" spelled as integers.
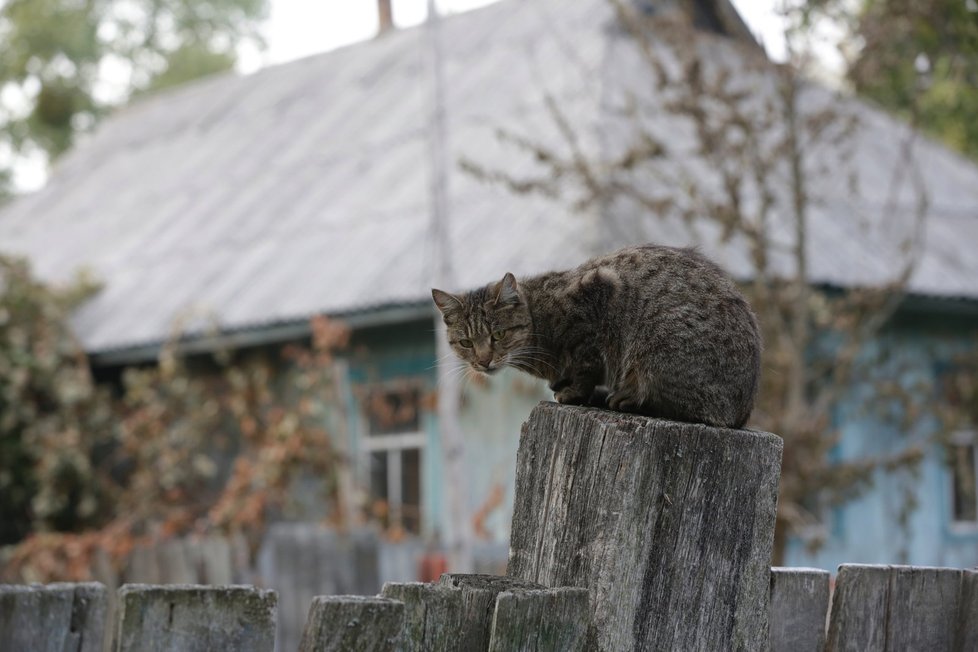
{"x": 184, "y": 445}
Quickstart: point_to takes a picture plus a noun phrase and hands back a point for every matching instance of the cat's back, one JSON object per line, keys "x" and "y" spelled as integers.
{"x": 682, "y": 274}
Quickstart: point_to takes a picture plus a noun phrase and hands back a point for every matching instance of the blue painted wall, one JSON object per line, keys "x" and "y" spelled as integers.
{"x": 876, "y": 528}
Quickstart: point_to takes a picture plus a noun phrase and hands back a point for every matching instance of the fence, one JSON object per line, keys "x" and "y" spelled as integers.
{"x": 628, "y": 533}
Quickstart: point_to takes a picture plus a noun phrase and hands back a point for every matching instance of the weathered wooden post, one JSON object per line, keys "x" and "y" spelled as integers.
{"x": 53, "y": 617}
{"x": 881, "y": 608}
{"x": 195, "y": 618}
{"x": 668, "y": 525}
{"x": 798, "y": 610}
{"x": 338, "y": 623}
{"x": 432, "y": 614}
{"x": 488, "y": 612}
{"x": 547, "y": 619}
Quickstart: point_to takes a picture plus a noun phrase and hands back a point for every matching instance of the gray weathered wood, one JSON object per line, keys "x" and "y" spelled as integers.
{"x": 305, "y": 560}
{"x": 175, "y": 562}
{"x": 966, "y": 636}
{"x": 53, "y": 617}
{"x": 798, "y": 609}
{"x": 341, "y": 623}
{"x": 669, "y": 525}
{"x": 213, "y": 556}
{"x": 549, "y": 620}
{"x": 190, "y": 618}
{"x": 923, "y": 608}
{"x": 479, "y": 602}
{"x": 897, "y": 608}
{"x": 858, "y": 607}
{"x": 432, "y": 615}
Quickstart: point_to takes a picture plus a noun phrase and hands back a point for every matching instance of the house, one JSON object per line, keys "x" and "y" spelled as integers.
{"x": 249, "y": 204}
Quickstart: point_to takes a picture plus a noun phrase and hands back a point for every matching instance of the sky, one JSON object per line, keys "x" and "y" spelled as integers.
{"x": 299, "y": 28}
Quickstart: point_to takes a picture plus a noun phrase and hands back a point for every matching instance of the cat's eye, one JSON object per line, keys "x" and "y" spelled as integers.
{"x": 498, "y": 334}
{"x": 465, "y": 344}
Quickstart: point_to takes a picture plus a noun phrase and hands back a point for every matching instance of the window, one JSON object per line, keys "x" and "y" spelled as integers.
{"x": 394, "y": 443}
{"x": 963, "y": 460}
{"x": 961, "y": 396}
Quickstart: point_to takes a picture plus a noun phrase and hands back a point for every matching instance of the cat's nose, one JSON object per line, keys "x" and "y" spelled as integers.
{"x": 485, "y": 361}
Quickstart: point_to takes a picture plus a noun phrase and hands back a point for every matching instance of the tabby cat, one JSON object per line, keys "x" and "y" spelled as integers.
{"x": 650, "y": 329}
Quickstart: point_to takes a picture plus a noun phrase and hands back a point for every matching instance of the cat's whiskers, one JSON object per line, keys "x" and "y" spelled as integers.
{"x": 526, "y": 358}
{"x": 448, "y": 357}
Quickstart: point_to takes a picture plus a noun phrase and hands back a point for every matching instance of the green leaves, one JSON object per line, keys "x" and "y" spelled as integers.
{"x": 56, "y": 54}
{"x": 919, "y": 59}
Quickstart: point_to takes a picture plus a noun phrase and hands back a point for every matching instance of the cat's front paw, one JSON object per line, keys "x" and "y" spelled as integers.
{"x": 570, "y": 396}
{"x": 622, "y": 401}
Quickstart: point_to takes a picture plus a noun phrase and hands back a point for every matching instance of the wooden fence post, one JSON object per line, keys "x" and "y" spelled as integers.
{"x": 669, "y": 525}
{"x": 548, "y": 620}
{"x": 879, "y": 608}
{"x": 432, "y": 615}
{"x": 799, "y": 607}
{"x": 53, "y": 617}
{"x": 478, "y": 603}
{"x": 341, "y": 623}
{"x": 195, "y": 618}
{"x": 966, "y": 637}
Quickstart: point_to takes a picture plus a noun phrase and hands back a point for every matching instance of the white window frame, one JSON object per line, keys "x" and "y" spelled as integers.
{"x": 393, "y": 445}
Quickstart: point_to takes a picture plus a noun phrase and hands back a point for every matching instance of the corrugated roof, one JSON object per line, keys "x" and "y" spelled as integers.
{"x": 303, "y": 189}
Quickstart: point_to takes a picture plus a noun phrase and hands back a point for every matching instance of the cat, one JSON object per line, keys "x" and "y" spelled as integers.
{"x": 650, "y": 329}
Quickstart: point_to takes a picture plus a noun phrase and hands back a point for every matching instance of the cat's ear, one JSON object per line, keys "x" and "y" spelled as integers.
{"x": 447, "y": 303}
{"x": 507, "y": 290}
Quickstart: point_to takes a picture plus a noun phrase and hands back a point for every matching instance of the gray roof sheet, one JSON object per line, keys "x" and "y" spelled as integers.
{"x": 239, "y": 202}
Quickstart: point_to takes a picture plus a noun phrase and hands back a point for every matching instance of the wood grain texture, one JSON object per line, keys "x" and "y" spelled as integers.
{"x": 798, "y": 609}
{"x": 883, "y": 608}
{"x": 479, "y": 602}
{"x": 549, "y": 620}
{"x": 53, "y": 617}
{"x": 194, "y": 618}
{"x": 432, "y": 615}
{"x": 669, "y": 525}
{"x": 966, "y": 636}
{"x": 341, "y": 623}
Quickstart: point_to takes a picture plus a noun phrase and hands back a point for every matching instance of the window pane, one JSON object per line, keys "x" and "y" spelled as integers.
{"x": 411, "y": 489}
{"x": 965, "y": 485}
{"x": 379, "y": 507}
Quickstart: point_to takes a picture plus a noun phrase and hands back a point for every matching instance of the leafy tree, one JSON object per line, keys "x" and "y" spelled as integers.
{"x": 919, "y": 58}
{"x": 60, "y": 57}
{"x": 196, "y": 444}
{"x": 50, "y": 410}
{"x": 916, "y": 58}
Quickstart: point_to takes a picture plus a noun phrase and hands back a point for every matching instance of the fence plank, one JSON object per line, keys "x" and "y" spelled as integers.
{"x": 550, "y": 620}
{"x": 923, "y": 607}
{"x": 966, "y": 637}
{"x": 432, "y": 615}
{"x": 340, "y": 623}
{"x": 195, "y": 618}
{"x": 798, "y": 609}
{"x": 669, "y": 525}
{"x": 173, "y": 559}
{"x": 53, "y": 617}
{"x": 479, "y": 602}
{"x": 213, "y": 556}
{"x": 858, "y": 607}
{"x": 898, "y": 608}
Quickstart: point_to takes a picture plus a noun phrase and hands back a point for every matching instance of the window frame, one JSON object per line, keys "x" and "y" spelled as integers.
{"x": 393, "y": 445}
{"x": 961, "y": 438}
